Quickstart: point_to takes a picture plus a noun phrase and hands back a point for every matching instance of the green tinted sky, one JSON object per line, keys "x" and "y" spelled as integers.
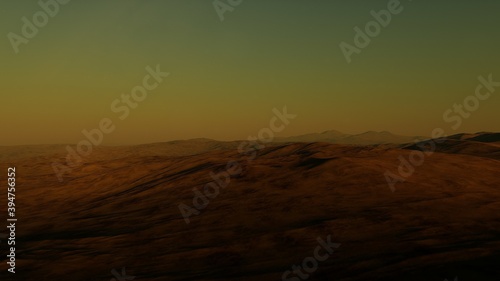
{"x": 227, "y": 76}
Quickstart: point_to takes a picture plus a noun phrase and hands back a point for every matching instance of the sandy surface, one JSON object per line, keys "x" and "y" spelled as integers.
{"x": 121, "y": 209}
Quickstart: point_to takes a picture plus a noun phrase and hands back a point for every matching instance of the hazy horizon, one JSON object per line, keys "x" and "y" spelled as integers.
{"x": 243, "y": 139}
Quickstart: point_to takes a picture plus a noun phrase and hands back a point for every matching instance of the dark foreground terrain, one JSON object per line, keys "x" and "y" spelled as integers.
{"x": 121, "y": 209}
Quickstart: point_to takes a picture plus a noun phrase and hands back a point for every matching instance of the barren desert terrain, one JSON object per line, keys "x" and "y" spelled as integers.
{"x": 120, "y": 209}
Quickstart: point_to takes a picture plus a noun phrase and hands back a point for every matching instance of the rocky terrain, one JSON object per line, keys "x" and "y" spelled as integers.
{"x": 120, "y": 209}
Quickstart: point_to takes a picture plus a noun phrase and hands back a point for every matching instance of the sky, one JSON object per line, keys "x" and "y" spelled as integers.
{"x": 227, "y": 71}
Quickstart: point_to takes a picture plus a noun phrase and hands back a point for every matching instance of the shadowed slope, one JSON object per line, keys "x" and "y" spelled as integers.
{"x": 481, "y": 145}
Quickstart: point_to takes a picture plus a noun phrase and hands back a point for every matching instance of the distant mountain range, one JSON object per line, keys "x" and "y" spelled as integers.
{"x": 367, "y": 138}
{"x": 478, "y": 143}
